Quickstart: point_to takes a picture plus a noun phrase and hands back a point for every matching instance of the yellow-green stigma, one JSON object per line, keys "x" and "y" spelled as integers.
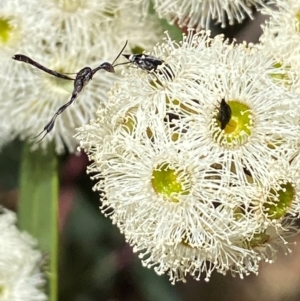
{"x": 238, "y": 213}
{"x": 5, "y": 30}
{"x": 129, "y": 120}
{"x": 297, "y": 23}
{"x": 186, "y": 242}
{"x": 175, "y": 136}
{"x": 279, "y": 201}
{"x": 169, "y": 182}
{"x": 236, "y": 130}
{"x": 281, "y": 77}
{"x": 258, "y": 240}
{"x": 3, "y": 292}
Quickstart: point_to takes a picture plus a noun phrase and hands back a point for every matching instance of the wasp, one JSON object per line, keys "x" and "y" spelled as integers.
{"x": 148, "y": 63}
{"x": 144, "y": 61}
{"x": 83, "y": 77}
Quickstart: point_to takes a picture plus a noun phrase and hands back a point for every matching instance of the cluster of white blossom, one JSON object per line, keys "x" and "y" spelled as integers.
{"x": 199, "y": 13}
{"x": 63, "y": 35}
{"x": 197, "y": 161}
{"x": 20, "y": 276}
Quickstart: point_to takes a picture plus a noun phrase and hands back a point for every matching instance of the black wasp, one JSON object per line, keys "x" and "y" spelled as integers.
{"x": 224, "y": 114}
{"x": 148, "y": 63}
{"x": 144, "y": 61}
{"x": 81, "y": 80}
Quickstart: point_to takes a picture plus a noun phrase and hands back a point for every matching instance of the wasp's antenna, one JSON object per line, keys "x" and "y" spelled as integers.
{"x": 120, "y": 52}
{"x": 25, "y": 59}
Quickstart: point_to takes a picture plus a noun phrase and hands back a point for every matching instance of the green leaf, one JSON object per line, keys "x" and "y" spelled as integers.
{"x": 38, "y": 205}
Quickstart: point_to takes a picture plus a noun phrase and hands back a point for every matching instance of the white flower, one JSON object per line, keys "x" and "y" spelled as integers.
{"x": 20, "y": 278}
{"x": 263, "y": 123}
{"x": 198, "y": 13}
{"x": 193, "y": 158}
{"x": 18, "y": 33}
{"x": 80, "y": 25}
{"x": 283, "y": 197}
{"x": 74, "y": 23}
{"x": 17, "y": 26}
{"x": 167, "y": 201}
{"x": 280, "y": 40}
{"x": 15, "y": 34}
